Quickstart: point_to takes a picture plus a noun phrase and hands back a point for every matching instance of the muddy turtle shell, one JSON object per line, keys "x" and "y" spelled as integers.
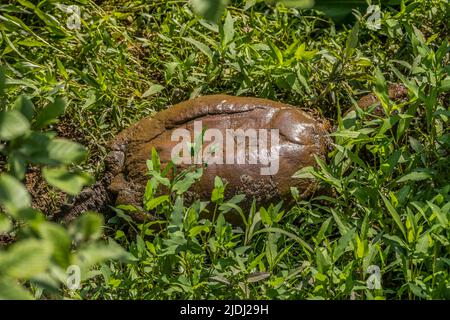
{"x": 301, "y": 137}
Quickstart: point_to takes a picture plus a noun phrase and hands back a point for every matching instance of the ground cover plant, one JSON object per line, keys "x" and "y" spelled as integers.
{"x": 379, "y": 231}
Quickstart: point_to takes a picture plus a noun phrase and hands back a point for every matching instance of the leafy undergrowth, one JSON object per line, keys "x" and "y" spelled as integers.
{"x": 382, "y": 233}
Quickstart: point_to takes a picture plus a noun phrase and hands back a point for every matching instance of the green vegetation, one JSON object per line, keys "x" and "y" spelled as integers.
{"x": 387, "y": 179}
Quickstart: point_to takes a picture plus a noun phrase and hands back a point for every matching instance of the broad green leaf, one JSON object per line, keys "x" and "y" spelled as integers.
{"x": 218, "y": 192}
{"x": 2, "y": 82}
{"x": 11, "y": 290}
{"x": 440, "y": 214}
{"x": 25, "y": 258}
{"x": 69, "y": 182}
{"x": 194, "y": 231}
{"x": 154, "y": 89}
{"x": 305, "y": 173}
{"x": 13, "y": 195}
{"x": 13, "y": 124}
{"x": 381, "y": 88}
{"x": 201, "y": 46}
{"x": 302, "y": 54}
{"x": 286, "y": 233}
{"x": 65, "y": 151}
{"x": 50, "y": 113}
{"x": 176, "y": 218}
{"x": 62, "y": 70}
{"x": 257, "y": 276}
{"x": 41, "y": 148}
{"x": 342, "y": 244}
{"x": 89, "y": 226}
{"x": 228, "y": 29}
{"x": 211, "y": 10}
{"x": 5, "y": 223}
{"x": 415, "y": 176}
{"x": 271, "y": 249}
{"x": 96, "y": 253}
{"x": 58, "y": 237}
{"x": 155, "y": 202}
{"x": 352, "y": 40}
{"x": 277, "y": 55}
{"x": 322, "y": 260}
{"x": 394, "y": 215}
{"x": 17, "y": 164}
{"x": 360, "y": 247}
{"x": 227, "y": 206}
{"x": 27, "y": 4}
{"x": 298, "y": 3}
{"x": 187, "y": 181}
{"x": 220, "y": 279}
{"x": 24, "y": 105}
{"x": 265, "y": 217}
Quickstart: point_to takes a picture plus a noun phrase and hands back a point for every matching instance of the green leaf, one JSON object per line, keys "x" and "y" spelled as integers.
{"x": 13, "y": 195}
{"x": 394, "y": 215}
{"x": 40, "y": 148}
{"x": 302, "y": 54}
{"x": 257, "y": 276}
{"x": 50, "y": 113}
{"x": 194, "y": 231}
{"x": 58, "y": 237}
{"x": 62, "y": 70}
{"x": 27, "y": 4}
{"x": 210, "y": 10}
{"x": 11, "y": 290}
{"x": 265, "y": 217}
{"x": 352, "y": 40}
{"x": 440, "y": 214}
{"x": 176, "y": 218}
{"x": 305, "y": 173}
{"x": 303, "y": 4}
{"x": 154, "y": 89}
{"x": 277, "y": 55}
{"x": 25, "y": 258}
{"x": 286, "y": 233}
{"x": 201, "y": 46}
{"x": 5, "y": 223}
{"x": 339, "y": 10}
{"x": 17, "y": 164}
{"x": 89, "y": 226}
{"x": 12, "y": 125}
{"x": 69, "y": 182}
{"x": 188, "y": 180}
{"x": 322, "y": 260}
{"x": 62, "y": 151}
{"x": 342, "y": 244}
{"x": 415, "y": 176}
{"x": 155, "y": 202}
{"x": 381, "y": 88}
{"x": 228, "y": 29}
{"x": 2, "y": 82}
{"x": 24, "y": 106}
{"x": 218, "y": 192}
{"x": 96, "y": 253}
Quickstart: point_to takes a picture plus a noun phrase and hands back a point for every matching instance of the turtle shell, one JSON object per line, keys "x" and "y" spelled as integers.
{"x": 302, "y": 135}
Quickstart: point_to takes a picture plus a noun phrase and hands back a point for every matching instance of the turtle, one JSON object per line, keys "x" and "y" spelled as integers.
{"x": 303, "y": 135}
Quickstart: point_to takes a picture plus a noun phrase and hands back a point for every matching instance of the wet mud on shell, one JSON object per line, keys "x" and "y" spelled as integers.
{"x": 301, "y": 137}
{"x": 125, "y": 179}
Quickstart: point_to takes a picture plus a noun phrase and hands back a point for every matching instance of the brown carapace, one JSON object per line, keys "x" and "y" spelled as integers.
{"x": 302, "y": 136}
